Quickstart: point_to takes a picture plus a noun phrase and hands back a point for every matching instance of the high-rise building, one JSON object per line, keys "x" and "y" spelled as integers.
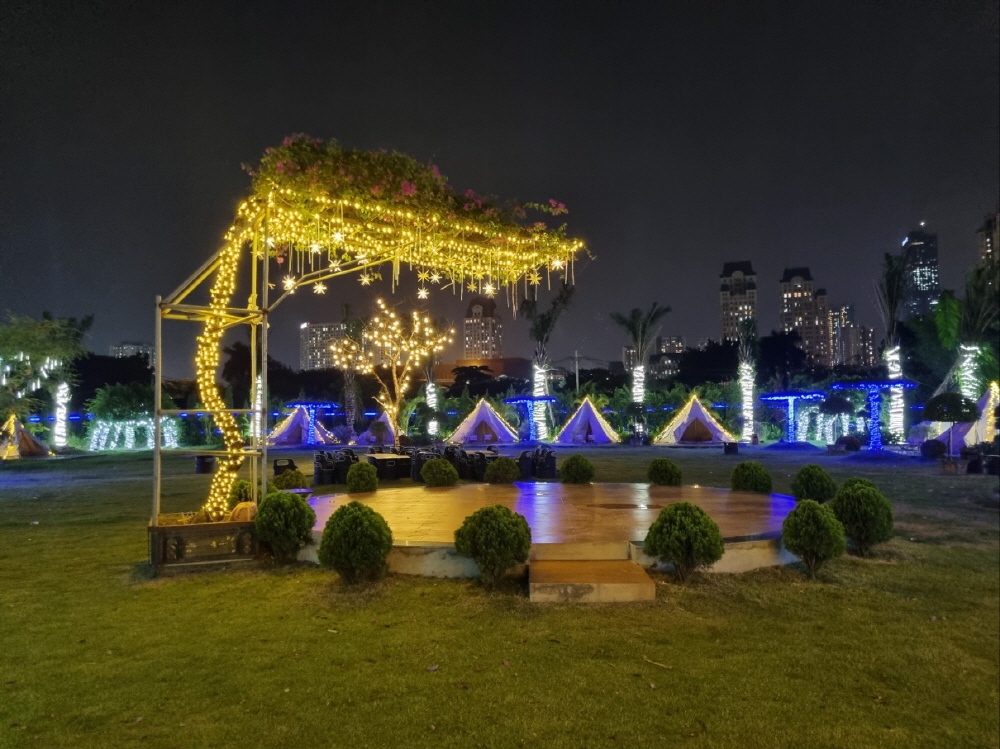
{"x": 314, "y": 343}
{"x": 737, "y": 297}
{"x": 126, "y": 349}
{"x": 629, "y": 358}
{"x": 853, "y": 344}
{"x": 483, "y": 329}
{"x": 670, "y": 344}
{"x": 805, "y": 311}
{"x": 989, "y": 238}
{"x": 923, "y": 289}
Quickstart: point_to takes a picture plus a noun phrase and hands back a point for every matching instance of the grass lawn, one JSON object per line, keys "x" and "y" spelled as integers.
{"x": 900, "y": 650}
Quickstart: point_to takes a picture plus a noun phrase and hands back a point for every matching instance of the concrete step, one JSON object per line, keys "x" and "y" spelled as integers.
{"x": 607, "y": 581}
{"x": 582, "y": 551}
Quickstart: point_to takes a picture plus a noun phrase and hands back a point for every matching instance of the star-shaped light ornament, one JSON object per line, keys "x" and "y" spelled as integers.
{"x": 314, "y": 249}
{"x": 334, "y": 265}
{"x": 557, "y": 264}
{"x": 435, "y": 278}
{"x": 471, "y": 286}
{"x": 423, "y": 276}
{"x": 365, "y": 279}
{"x": 338, "y": 237}
{"x": 423, "y": 293}
{"x": 319, "y": 288}
{"x": 288, "y": 283}
{"x": 489, "y": 289}
{"x": 534, "y": 279}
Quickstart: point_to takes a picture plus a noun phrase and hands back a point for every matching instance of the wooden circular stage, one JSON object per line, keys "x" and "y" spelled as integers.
{"x": 564, "y": 513}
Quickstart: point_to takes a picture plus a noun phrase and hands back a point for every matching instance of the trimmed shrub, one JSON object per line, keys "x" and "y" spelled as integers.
{"x": 362, "y": 477}
{"x": 664, "y": 472}
{"x": 356, "y": 541}
{"x": 439, "y": 472}
{"x": 933, "y": 449}
{"x": 293, "y": 479}
{"x": 576, "y": 469}
{"x": 850, "y": 443}
{"x": 813, "y": 482}
{"x": 284, "y": 522}
{"x": 812, "y": 532}
{"x": 496, "y": 538}
{"x": 865, "y": 513}
{"x": 502, "y": 471}
{"x": 684, "y": 535}
{"x": 751, "y": 476}
{"x": 856, "y": 481}
{"x": 241, "y": 491}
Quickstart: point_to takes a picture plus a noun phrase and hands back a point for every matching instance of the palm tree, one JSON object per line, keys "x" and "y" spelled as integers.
{"x": 351, "y": 394}
{"x": 542, "y": 325}
{"x": 890, "y": 293}
{"x": 966, "y": 324}
{"x": 746, "y": 371}
{"x": 639, "y": 327}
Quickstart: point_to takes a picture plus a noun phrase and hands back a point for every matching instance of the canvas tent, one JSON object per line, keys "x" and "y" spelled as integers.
{"x": 973, "y": 433}
{"x": 693, "y": 425}
{"x": 586, "y": 426}
{"x": 367, "y": 438}
{"x": 484, "y": 426}
{"x": 16, "y": 442}
{"x": 294, "y": 430}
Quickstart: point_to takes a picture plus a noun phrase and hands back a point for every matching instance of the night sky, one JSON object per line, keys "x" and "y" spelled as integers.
{"x": 679, "y": 137}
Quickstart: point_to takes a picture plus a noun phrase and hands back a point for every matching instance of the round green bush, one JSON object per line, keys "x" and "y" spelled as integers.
{"x": 362, "y": 477}
{"x": 356, "y": 541}
{"x": 812, "y": 532}
{"x": 684, "y": 535}
{"x": 496, "y": 538}
{"x": 284, "y": 522}
{"x": 933, "y": 449}
{"x": 865, "y": 513}
{"x": 751, "y": 476}
{"x": 241, "y": 491}
{"x": 664, "y": 472}
{"x": 293, "y": 479}
{"x": 576, "y": 469}
{"x": 813, "y": 482}
{"x": 856, "y": 481}
{"x": 502, "y": 471}
{"x": 439, "y": 472}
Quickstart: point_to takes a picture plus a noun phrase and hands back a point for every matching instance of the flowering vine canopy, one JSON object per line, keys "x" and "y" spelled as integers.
{"x": 323, "y": 211}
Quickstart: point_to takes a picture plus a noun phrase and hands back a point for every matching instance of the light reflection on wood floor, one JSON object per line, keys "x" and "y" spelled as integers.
{"x": 562, "y": 513}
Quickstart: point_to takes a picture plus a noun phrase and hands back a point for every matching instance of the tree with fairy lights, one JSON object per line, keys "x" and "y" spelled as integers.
{"x": 391, "y": 348}
{"x": 746, "y": 342}
{"x": 351, "y": 393}
{"x": 890, "y": 293}
{"x": 970, "y": 326}
{"x": 542, "y": 325}
{"x": 639, "y": 327}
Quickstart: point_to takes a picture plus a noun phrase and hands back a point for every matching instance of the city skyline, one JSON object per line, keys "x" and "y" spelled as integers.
{"x": 679, "y": 139}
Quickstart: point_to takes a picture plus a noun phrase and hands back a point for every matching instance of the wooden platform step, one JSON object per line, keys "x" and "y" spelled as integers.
{"x": 606, "y": 581}
{"x": 580, "y": 551}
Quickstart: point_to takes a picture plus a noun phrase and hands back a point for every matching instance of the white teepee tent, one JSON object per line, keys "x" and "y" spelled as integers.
{"x": 693, "y": 425}
{"x": 294, "y": 430}
{"x": 586, "y": 426}
{"x": 483, "y": 426}
{"x": 367, "y": 438}
{"x": 973, "y": 433}
{"x": 16, "y": 442}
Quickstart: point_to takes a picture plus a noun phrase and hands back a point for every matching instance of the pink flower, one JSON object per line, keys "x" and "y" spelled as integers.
{"x": 435, "y": 171}
{"x": 280, "y": 167}
{"x": 287, "y": 141}
{"x": 557, "y": 207}
{"x": 539, "y": 226}
{"x": 376, "y": 189}
{"x": 519, "y": 211}
{"x": 408, "y": 188}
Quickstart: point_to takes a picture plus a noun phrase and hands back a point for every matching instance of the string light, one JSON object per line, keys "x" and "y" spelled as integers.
{"x": 120, "y": 434}
{"x": 62, "y": 403}
{"x": 430, "y": 394}
{"x": 968, "y": 383}
{"x": 897, "y": 401}
{"x": 746, "y": 375}
{"x": 539, "y": 390}
{"x": 874, "y": 390}
{"x": 791, "y": 419}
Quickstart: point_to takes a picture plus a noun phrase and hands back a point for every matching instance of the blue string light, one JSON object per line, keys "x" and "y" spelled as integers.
{"x": 788, "y": 399}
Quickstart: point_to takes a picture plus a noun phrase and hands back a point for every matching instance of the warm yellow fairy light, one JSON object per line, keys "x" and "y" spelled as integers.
{"x": 422, "y": 293}
{"x": 329, "y": 211}
{"x": 319, "y": 288}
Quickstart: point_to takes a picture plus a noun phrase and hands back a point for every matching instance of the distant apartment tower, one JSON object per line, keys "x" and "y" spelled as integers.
{"x": 665, "y": 361}
{"x": 805, "y": 311}
{"x": 126, "y": 349}
{"x": 670, "y": 344}
{"x": 629, "y": 358}
{"x": 989, "y": 239}
{"x": 853, "y": 344}
{"x": 737, "y": 297}
{"x": 923, "y": 289}
{"x": 314, "y": 343}
{"x": 483, "y": 330}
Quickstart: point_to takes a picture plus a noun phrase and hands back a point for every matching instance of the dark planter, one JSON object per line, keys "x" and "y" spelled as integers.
{"x": 731, "y": 448}
{"x": 196, "y": 544}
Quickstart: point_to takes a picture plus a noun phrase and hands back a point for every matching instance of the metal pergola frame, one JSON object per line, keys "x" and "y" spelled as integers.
{"x": 255, "y": 314}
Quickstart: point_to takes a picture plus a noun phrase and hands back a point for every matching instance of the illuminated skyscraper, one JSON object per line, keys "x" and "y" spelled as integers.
{"x": 923, "y": 289}
{"x": 853, "y": 344}
{"x": 989, "y": 238}
{"x": 737, "y": 297}
{"x": 804, "y": 310}
{"x": 126, "y": 349}
{"x": 314, "y": 343}
{"x": 483, "y": 330}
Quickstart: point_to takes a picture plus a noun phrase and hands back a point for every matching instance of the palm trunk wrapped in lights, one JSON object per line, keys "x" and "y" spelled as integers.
{"x": 897, "y": 400}
{"x": 62, "y": 403}
{"x": 431, "y": 396}
{"x": 968, "y": 382}
{"x": 539, "y": 389}
{"x": 746, "y": 377}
